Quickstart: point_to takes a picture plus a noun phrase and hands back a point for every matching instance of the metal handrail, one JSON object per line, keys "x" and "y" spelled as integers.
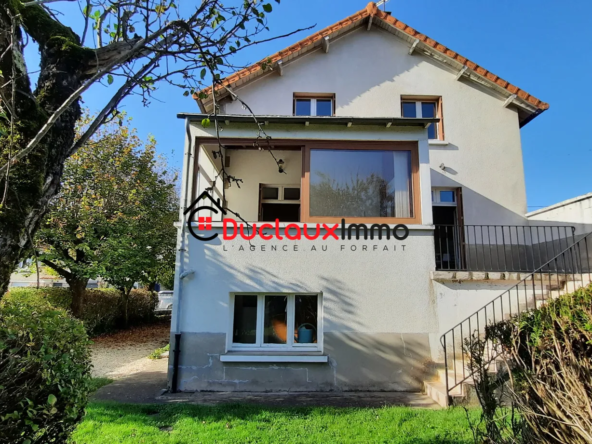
{"x": 498, "y": 248}
{"x": 567, "y": 266}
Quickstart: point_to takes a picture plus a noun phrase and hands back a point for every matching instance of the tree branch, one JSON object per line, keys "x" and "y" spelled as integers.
{"x": 62, "y": 271}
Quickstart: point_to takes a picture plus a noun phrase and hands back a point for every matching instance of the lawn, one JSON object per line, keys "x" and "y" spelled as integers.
{"x": 111, "y": 423}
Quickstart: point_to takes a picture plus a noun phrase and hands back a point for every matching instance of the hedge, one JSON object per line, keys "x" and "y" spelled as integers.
{"x": 103, "y": 309}
{"x": 44, "y": 372}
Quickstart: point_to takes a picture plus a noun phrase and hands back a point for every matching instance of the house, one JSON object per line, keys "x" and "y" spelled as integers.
{"x": 374, "y": 199}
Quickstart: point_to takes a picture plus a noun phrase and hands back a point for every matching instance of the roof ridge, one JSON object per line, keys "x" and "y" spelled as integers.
{"x": 371, "y": 10}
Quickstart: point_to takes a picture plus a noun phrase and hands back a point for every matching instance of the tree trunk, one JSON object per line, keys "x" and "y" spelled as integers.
{"x": 78, "y": 289}
{"x": 126, "y": 293}
{"x": 35, "y": 179}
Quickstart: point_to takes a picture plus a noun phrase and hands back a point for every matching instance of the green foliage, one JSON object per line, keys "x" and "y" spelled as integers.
{"x": 159, "y": 351}
{"x": 103, "y": 310}
{"x": 97, "y": 383}
{"x": 546, "y": 380}
{"x": 108, "y": 423}
{"x": 115, "y": 213}
{"x": 44, "y": 372}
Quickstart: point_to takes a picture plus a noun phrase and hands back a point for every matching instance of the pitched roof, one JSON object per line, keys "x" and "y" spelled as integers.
{"x": 373, "y": 15}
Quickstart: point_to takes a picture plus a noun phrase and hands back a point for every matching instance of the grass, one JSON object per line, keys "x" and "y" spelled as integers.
{"x": 97, "y": 383}
{"x": 159, "y": 351}
{"x": 108, "y": 423}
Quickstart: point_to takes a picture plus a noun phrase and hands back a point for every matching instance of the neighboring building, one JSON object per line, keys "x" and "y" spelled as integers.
{"x": 372, "y": 122}
{"x": 576, "y": 212}
{"x": 25, "y": 277}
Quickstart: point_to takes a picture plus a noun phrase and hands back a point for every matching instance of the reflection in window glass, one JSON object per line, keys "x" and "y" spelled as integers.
{"x": 291, "y": 193}
{"x": 275, "y": 321}
{"x": 409, "y": 109}
{"x": 324, "y": 107}
{"x": 270, "y": 193}
{"x": 428, "y": 109}
{"x": 360, "y": 183}
{"x": 447, "y": 196}
{"x": 306, "y": 318}
{"x": 244, "y": 330}
{"x": 302, "y": 107}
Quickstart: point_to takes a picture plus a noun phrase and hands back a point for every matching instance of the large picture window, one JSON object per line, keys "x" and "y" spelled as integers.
{"x": 276, "y": 322}
{"x": 362, "y": 184}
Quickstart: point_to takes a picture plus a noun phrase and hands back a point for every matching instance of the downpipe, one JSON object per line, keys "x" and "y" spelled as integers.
{"x": 176, "y": 352}
{"x": 180, "y": 273}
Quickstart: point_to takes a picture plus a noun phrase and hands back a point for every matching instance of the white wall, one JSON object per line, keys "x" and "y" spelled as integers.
{"x": 576, "y": 212}
{"x": 373, "y": 291}
{"x": 369, "y": 71}
{"x": 258, "y": 167}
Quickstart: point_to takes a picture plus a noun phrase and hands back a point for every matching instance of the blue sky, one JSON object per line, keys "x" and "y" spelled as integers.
{"x": 541, "y": 46}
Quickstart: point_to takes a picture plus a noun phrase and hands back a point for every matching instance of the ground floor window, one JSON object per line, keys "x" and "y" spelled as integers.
{"x": 275, "y": 321}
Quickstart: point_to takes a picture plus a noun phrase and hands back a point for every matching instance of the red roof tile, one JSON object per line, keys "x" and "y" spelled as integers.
{"x": 372, "y": 10}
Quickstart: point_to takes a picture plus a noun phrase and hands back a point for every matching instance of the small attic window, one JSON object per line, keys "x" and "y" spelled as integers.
{"x": 314, "y": 104}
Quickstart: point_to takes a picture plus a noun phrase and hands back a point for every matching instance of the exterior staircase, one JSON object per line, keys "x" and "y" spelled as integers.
{"x": 567, "y": 272}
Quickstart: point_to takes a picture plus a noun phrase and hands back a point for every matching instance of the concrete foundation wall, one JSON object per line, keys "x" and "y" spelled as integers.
{"x": 357, "y": 361}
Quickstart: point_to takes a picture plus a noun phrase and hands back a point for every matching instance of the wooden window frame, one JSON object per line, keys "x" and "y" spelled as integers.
{"x": 306, "y": 145}
{"x": 290, "y": 346}
{"x": 361, "y": 146}
{"x": 313, "y": 96}
{"x": 437, "y": 100}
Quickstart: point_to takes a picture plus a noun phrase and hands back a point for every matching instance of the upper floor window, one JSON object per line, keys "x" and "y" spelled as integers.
{"x": 314, "y": 104}
{"x": 425, "y": 108}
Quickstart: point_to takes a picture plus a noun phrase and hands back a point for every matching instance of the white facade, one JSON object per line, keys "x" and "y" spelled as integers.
{"x": 369, "y": 72}
{"x": 380, "y": 313}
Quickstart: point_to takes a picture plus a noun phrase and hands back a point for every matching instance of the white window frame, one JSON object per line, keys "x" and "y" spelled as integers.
{"x": 280, "y": 198}
{"x": 313, "y": 105}
{"x": 290, "y": 346}
{"x": 436, "y": 197}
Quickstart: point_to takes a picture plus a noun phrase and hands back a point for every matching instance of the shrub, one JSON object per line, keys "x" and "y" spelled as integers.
{"x": 102, "y": 310}
{"x": 547, "y": 377}
{"x": 44, "y": 372}
{"x": 142, "y": 304}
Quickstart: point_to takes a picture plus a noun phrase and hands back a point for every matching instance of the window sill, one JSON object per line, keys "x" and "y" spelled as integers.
{"x": 275, "y": 357}
{"x": 436, "y": 142}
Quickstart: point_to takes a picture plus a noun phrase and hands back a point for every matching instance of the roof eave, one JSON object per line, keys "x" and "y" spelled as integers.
{"x": 528, "y": 104}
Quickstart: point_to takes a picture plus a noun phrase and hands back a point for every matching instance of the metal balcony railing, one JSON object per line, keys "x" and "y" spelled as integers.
{"x": 566, "y": 272}
{"x": 499, "y": 248}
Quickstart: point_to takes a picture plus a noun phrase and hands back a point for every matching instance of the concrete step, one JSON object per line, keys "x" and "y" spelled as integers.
{"x": 437, "y": 391}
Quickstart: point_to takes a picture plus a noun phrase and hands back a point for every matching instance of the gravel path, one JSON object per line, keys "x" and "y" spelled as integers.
{"x": 124, "y": 353}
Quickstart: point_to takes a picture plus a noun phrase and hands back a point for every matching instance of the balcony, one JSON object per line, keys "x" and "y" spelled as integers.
{"x": 499, "y": 248}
